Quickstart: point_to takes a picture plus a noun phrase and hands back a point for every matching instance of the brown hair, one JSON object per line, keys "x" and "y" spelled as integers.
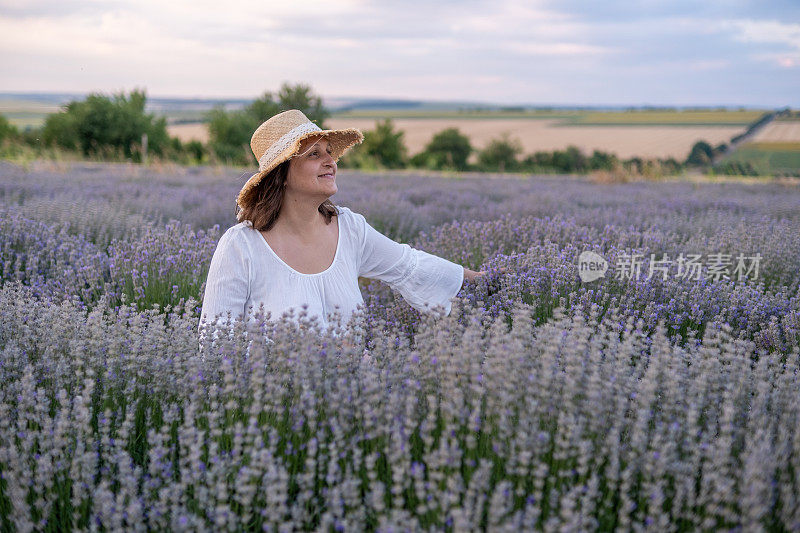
{"x": 262, "y": 204}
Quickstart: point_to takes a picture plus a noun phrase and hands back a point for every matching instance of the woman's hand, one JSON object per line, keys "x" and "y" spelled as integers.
{"x": 493, "y": 282}
{"x": 471, "y": 275}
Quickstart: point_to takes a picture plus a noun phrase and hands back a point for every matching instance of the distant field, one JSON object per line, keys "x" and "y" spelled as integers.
{"x": 26, "y": 114}
{"x": 770, "y": 157}
{"x": 774, "y": 149}
{"x": 668, "y": 118}
{"x": 644, "y": 133}
{"x": 189, "y": 132}
{"x": 25, "y": 119}
{"x": 534, "y": 134}
{"x": 457, "y": 114}
{"x": 541, "y": 134}
{"x": 779, "y": 131}
{"x": 35, "y": 119}
{"x": 580, "y": 117}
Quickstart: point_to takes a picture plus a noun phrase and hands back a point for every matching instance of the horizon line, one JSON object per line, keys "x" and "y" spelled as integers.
{"x": 404, "y": 100}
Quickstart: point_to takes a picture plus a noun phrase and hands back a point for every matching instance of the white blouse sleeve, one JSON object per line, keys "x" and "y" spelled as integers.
{"x": 424, "y": 280}
{"x": 228, "y": 282}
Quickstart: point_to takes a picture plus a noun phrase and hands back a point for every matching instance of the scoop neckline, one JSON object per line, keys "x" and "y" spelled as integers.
{"x": 298, "y": 273}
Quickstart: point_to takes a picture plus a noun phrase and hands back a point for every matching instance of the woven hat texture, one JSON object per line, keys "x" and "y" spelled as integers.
{"x": 278, "y": 139}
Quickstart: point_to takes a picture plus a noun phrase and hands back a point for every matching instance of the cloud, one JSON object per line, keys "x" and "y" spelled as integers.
{"x": 555, "y": 49}
{"x": 783, "y": 35}
{"x": 505, "y": 51}
{"x": 22, "y": 9}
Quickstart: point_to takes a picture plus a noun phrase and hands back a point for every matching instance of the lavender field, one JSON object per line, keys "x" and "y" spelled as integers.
{"x": 662, "y": 402}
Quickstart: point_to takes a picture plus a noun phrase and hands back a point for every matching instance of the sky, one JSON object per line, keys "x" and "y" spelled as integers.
{"x": 539, "y": 52}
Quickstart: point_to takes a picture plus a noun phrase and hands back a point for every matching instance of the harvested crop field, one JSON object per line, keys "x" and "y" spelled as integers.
{"x": 189, "y": 132}
{"x": 779, "y": 131}
{"x": 625, "y": 141}
{"x": 535, "y": 134}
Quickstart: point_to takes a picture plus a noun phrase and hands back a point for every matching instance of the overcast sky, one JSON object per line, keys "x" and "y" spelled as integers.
{"x": 674, "y": 52}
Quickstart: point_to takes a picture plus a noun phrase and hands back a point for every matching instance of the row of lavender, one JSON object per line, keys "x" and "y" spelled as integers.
{"x": 543, "y": 401}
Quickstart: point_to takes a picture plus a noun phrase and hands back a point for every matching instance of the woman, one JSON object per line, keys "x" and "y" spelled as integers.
{"x": 293, "y": 249}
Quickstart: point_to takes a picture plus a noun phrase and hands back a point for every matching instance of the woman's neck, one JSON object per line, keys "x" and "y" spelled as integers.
{"x": 300, "y": 215}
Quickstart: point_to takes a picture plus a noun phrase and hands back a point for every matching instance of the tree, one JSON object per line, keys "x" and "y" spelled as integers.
{"x": 538, "y": 162}
{"x": 301, "y": 97}
{"x": 229, "y": 134}
{"x": 262, "y": 108}
{"x": 99, "y": 123}
{"x": 230, "y": 131}
{"x": 60, "y": 129}
{"x": 448, "y": 149}
{"x": 385, "y": 145}
{"x": 701, "y": 155}
{"x": 7, "y": 130}
{"x": 569, "y": 160}
{"x": 500, "y": 154}
{"x": 602, "y": 161}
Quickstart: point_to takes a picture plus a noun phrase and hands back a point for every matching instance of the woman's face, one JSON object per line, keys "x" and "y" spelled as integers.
{"x": 312, "y": 172}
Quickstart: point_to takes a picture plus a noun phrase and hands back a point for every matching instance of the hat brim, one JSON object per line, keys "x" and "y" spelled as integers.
{"x": 340, "y": 141}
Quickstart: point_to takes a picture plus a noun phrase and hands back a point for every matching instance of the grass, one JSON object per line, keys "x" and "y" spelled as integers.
{"x": 455, "y": 113}
{"x": 667, "y": 118}
{"x": 770, "y": 158}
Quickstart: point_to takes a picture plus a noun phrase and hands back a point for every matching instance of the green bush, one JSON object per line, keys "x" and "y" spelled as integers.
{"x": 447, "y": 150}
{"x": 603, "y": 161}
{"x": 360, "y": 159}
{"x": 569, "y": 160}
{"x": 736, "y": 168}
{"x": 188, "y": 153}
{"x": 101, "y": 125}
{"x": 7, "y": 130}
{"x": 500, "y": 155}
{"x": 701, "y": 154}
{"x": 60, "y": 129}
{"x": 383, "y": 147}
{"x": 195, "y": 149}
{"x": 229, "y": 135}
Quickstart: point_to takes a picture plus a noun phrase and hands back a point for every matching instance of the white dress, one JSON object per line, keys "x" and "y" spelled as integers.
{"x": 245, "y": 273}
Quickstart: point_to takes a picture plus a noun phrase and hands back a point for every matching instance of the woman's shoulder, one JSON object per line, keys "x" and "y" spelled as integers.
{"x": 353, "y": 228}
{"x": 349, "y": 215}
{"x": 241, "y": 233}
{"x": 350, "y": 221}
{"x": 242, "y": 229}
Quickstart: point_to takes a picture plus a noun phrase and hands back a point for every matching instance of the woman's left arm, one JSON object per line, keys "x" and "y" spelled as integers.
{"x": 471, "y": 275}
{"x": 424, "y": 280}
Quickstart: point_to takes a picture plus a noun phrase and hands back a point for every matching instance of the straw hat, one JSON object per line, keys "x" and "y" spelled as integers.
{"x": 278, "y": 139}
